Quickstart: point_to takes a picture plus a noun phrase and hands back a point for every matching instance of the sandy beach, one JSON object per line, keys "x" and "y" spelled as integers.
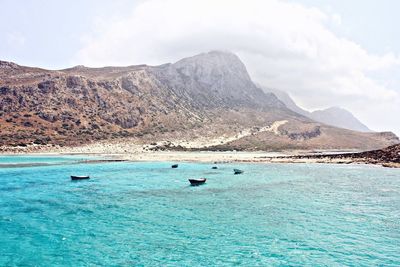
{"x": 133, "y": 150}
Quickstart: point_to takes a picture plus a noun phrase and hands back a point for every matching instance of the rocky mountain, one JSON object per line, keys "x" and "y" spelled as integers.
{"x": 334, "y": 116}
{"x": 214, "y": 80}
{"x": 209, "y": 95}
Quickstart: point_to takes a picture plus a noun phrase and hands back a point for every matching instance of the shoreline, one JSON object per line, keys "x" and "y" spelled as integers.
{"x": 132, "y": 150}
{"x": 212, "y": 157}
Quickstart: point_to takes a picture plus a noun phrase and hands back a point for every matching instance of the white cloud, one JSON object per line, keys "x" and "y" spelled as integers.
{"x": 284, "y": 45}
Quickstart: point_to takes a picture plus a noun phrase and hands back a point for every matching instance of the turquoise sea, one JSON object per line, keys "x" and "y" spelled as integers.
{"x": 146, "y": 214}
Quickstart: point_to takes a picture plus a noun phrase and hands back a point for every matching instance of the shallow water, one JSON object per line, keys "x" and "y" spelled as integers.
{"x": 145, "y": 214}
{"x": 43, "y": 160}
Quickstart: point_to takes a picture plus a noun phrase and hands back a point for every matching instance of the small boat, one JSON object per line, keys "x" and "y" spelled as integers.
{"x": 194, "y": 182}
{"x": 214, "y": 167}
{"x": 237, "y": 171}
{"x": 74, "y": 177}
{"x": 174, "y": 166}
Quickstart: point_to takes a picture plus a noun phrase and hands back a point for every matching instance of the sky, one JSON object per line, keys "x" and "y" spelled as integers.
{"x": 323, "y": 53}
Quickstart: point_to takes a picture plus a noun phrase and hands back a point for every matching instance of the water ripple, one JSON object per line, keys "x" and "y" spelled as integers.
{"x": 146, "y": 214}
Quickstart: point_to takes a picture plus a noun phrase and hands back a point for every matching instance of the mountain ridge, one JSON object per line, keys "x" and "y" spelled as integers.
{"x": 207, "y": 95}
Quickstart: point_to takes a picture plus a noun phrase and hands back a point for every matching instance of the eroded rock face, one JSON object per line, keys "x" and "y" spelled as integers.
{"x": 74, "y": 82}
{"x": 128, "y": 84}
{"x": 47, "y": 86}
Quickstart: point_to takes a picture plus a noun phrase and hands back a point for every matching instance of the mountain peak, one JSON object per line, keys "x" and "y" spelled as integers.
{"x": 337, "y": 109}
{"x": 214, "y": 64}
{"x": 221, "y": 54}
{"x": 216, "y": 78}
{"x": 214, "y": 54}
{"x": 214, "y": 59}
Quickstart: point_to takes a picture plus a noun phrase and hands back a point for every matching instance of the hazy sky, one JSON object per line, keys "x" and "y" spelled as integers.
{"x": 323, "y": 53}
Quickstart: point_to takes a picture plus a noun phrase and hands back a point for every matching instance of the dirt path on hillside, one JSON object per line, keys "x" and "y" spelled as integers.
{"x": 224, "y": 139}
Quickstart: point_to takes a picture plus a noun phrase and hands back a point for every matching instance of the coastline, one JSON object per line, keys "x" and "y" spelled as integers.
{"x": 134, "y": 150}
{"x": 295, "y": 157}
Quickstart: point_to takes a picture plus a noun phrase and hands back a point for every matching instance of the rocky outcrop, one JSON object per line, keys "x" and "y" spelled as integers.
{"x": 387, "y": 157}
{"x": 304, "y": 135}
{"x": 389, "y": 154}
{"x": 8, "y": 65}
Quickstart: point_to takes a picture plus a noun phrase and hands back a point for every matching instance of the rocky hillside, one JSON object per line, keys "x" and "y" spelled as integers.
{"x": 209, "y": 95}
{"x": 388, "y": 154}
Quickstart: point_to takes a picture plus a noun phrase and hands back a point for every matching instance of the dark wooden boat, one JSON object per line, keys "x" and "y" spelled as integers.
{"x": 237, "y": 171}
{"x": 74, "y": 177}
{"x": 174, "y": 166}
{"x": 194, "y": 182}
{"x": 214, "y": 167}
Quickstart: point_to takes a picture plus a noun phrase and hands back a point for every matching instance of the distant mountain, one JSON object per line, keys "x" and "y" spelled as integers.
{"x": 205, "y": 96}
{"x": 339, "y": 117}
{"x": 334, "y": 116}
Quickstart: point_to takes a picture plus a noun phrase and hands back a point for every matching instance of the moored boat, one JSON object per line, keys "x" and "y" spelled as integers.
{"x": 82, "y": 177}
{"x": 237, "y": 171}
{"x": 174, "y": 166}
{"x": 214, "y": 167}
{"x": 198, "y": 181}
